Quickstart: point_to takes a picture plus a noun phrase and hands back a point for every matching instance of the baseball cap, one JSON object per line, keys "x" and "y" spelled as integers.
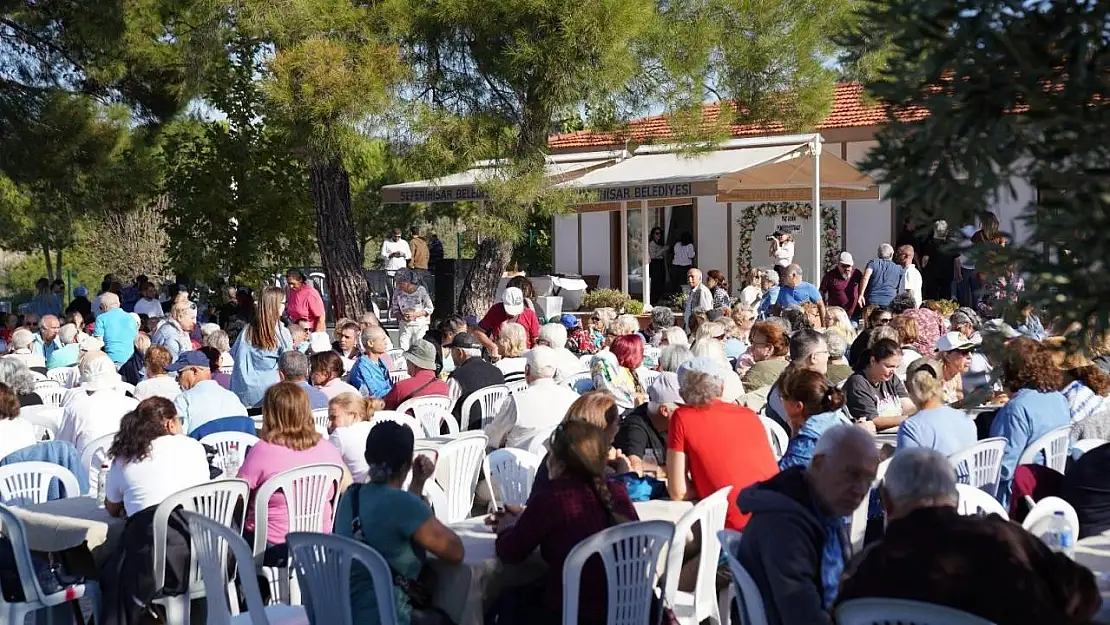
{"x": 846, "y": 259}
{"x": 569, "y": 322}
{"x": 190, "y": 359}
{"x": 513, "y": 301}
{"x": 665, "y": 389}
{"x": 81, "y": 291}
{"x": 463, "y": 340}
{"x": 955, "y": 341}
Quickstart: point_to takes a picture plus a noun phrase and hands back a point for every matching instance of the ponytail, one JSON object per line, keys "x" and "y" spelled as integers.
{"x": 601, "y": 491}
{"x": 581, "y": 448}
{"x": 832, "y": 399}
{"x": 813, "y": 389}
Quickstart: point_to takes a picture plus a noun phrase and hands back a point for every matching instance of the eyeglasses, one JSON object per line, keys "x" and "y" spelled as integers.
{"x": 882, "y": 321}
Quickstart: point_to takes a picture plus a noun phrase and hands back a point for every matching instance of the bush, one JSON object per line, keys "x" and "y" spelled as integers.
{"x": 634, "y": 307}
{"x": 605, "y": 298}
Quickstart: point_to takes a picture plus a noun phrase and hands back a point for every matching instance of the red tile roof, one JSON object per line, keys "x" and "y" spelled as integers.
{"x": 848, "y": 111}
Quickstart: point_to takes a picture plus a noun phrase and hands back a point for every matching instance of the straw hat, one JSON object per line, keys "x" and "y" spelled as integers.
{"x": 1067, "y": 356}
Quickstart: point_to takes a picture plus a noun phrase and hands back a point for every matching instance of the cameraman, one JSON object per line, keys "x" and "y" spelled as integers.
{"x": 782, "y": 249}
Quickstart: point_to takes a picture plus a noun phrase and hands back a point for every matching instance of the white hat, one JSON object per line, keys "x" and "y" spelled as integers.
{"x": 513, "y": 301}
{"x": 846, "y": 259}
{"x": 137, "y": 319}
{"x": 98, "y": 373}
{"x": 956, "y": 341}
{"x": 90, "y": 344}
{"x": 318, "y": 342}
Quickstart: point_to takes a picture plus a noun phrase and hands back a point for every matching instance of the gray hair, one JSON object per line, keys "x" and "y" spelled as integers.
{"x": 806, "y": 342}
{"x": 293, "y": 365}
{"x": 920, "y": 474}
{"x": 675, "y": 336}
{"x": 837, "y": 342}
{"x": 672, "y": 357}
{"x": 840, "y": 436}
{"x": 771, "y": 276}
{"x": 218, "y": 340}
{"x": 206, "y": 330}
{"x": 108, "y": 301}
{"x": 879, "y": 333}
{"x": 782, "y": 323}
{"x": 699, "y": 389}
{"x": 369, "y": 334}
{"x": 886, "y": 252}
{"x": 15, "y": 374}
{"x": 625, "y": 324}
{"x": 555, "y": 334}
{"x": 696, "y": 271}
{"x": 662, "y": 317}
{"x": 710, "y": 348}
{"x": 21, "y": 338}
{"x": 542, "y": 362}
{"x": 68, "y": 334}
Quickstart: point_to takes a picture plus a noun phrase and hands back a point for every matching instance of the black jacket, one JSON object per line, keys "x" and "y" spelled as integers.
{"x": 782, "y": 546}
{"x": 472, "y": 375}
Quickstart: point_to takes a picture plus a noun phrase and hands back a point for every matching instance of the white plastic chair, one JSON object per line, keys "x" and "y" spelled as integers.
{"x": 223, "y": 441}
{"x": 538, "y": 444}
{"x": 52, "y": 396}
{"x": 211, "y": 544}
{"x": 26, "y": 483}
{"x": 454, "y": 391}
{"x": 858, "y": 527}
{"x": 308, "y": 491}
{"x": 490, "y": 400}
{"x": 126, "y": 388}
{"x": 323, "y": 564}
{"x": 1046, "y": 508}
{"x": 1088, "y": 444}
{"x": 429, "y": 410}
{"x": 34, "y": 597}
{"x": 586, "y": 359}
{"x": 89, "y": 453}
{"x": 874, "y": 611}
{"x": 47, "y": 384}
{"x": 1055, "y": 447}
{"x": 630, "y": 554}
{"x": 397, "y": 376}
{"x": 406, "y": 420}
{"x": 218, "y": 501}
{"x": 66, "y": 376}
{"x": 580, "y": 382}
{"x": 691, "y": 608}
{"x": 517, "y": 386}
{"x": 982, "y": 463}
{"x": 320, "y": 420}
{"x": 749, "y": 601}
{"x": 397, "y": 360}
{"x": 776, "y": 436}
{"x": 512, "y": 472}
{"x": 48, "y": 417}
{"x": 976, "y": 502}
{"x": 647, "y": 376}
{"x": 459, "y": 464}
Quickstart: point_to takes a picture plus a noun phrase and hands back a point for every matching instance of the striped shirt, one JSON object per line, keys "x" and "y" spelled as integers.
{"x": 1082, "y": 401}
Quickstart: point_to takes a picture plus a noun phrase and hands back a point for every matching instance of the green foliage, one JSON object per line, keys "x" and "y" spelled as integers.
{"x": 605, "y": 298}
{"x": 634, "y": 307}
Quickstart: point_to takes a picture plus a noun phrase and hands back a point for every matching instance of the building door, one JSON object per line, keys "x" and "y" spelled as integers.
{"x": 680, "y": 222}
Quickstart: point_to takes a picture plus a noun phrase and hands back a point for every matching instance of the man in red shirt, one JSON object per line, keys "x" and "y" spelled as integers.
{"x": 718, "y": 444}
{"x": 304, "y": 302}
{"x": 840, "y": 286}
{"x": 511, "y": 308}
{"x": 421, "y": 362}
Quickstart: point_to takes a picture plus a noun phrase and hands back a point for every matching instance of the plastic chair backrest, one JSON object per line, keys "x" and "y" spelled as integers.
{"x": 320, "y": 419}
{"x": 647, "y": 376}
{"x": 397, "y": 376}
{"x": 580, "y": 382}
{"x": 397, "y": 360}
{"x": 454, "y": 391}
{"x": 538, "y": 444}
{"x": 101, "y": 444}
{"x": 874, "y": 611}
{"x": 517, "y": 386}
{"x": 457, "y": 469}
{"x": 26, "y": 483}
{"x": 66, "y": 376}
{"x": 218, "y": 500}
{"x": 630, "y": 554}
{"x": 980, "y": 465}
{"x": 49, "y": 417}
{"x": 975, "y": 502}
{"x": 513, "y": 471}
{"x": 1048, "y": 507}
{"x": 490, "y": 400}
{"x": 776, "y": 436}
{"x": 428, "y": 410}
{"x": 709, "y": 514}
{"x": 308, "y": 491}
{"x": 12, "y": 528}
{"x": 323, "y": 564}
{"x": 211, "y": 543}
{"x": 406, "y": 420}
{"x": 858, "y": 527}
{"x": 748, "y": 598}
{"x": 222, "y": 442}
{"x": 52, "y": 396}
{"x": 1054, "y": 444}
{"x": 1088, "y": 444}
{"x": 47, "y": 384}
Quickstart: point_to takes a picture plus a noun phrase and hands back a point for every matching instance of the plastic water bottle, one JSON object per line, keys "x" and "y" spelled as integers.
{"x": 102, "y": 484}
{"x": 231, "y": 460}
{"x": 1057, "y": 533}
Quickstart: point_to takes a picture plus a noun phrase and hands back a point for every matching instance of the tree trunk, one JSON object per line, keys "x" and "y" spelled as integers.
{"x": 49, "y": 266}
{"x": 480, "y": 287}
{"x": 58, "y": 265}
{"x": 335, "y": 234}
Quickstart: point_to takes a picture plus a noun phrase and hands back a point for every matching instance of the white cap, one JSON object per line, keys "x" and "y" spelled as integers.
{"x": 846, "y": 259}
{"x": 956, "y": 341}
{"x": 513, "y": 301}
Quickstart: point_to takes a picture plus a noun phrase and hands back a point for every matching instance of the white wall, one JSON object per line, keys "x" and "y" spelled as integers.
{"x": 712, "y": 237}
{"x": 868, "y": 223}
{"x": 565, "y": 243}
{"x": 1010, "y": 204}
{"x": 596, "y": 244}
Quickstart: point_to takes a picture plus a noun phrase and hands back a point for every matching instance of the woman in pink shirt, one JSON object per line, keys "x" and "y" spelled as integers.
{"x": 289, "y": 440}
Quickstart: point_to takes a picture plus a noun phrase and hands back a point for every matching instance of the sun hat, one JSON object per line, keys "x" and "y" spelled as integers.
{"x": 513, "y": 301}
{"x": 665, "y": 389}
{"x": 846, "y": 259}
{"x": 318, "y": 342}
{"x": 190, "y": 359}
{"x": 956, "y": 341}
{"x": 422, "y": 354}
{"x": 98, "y": 373}
{"x": 91, "y": 344}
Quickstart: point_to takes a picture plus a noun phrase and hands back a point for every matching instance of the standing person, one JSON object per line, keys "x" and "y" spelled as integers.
{"x": 304, "y": 302}
{"x": 45, "y": 301}
{"x": 657, "y": 269}
{"x": 912, "y": 282}
{"x": 411, "y": 306}
{"x": 938, "y": 264}
{"x": 794, "y": 291}
{"x": 718, "y": 286}
{"x": 699, "y": 299}
{"x": 116, "y": 328}
{"x": 511, "y": 308}
{"x": 419, "y": 248}
{"x": 681, "y": 260}
{"x": 435, "y": 250}
{"x": 149, "y": 304}
{"x": 258, "y": 347}
{"x": 880, "y": 279}
{"x": 782, "y": 249}
{"x": 840, "y": 286}
{"x": 396, "y": 252}
{"x": 80, "y": 304}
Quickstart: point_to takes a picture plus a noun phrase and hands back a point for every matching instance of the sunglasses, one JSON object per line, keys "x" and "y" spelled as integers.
{"x": 882, "y": 321}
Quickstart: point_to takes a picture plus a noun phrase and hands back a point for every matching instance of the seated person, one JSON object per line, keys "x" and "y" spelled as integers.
{"x": 293, "y": 367}
{"x": 512, "y": 343}
{"x": 986, "y": 566}
{"x": 874, "y": 393}
{"x": 536, "y": 409}
{"x": 812, "y": 406}
{"x": 1086, "y": 486}
{"x": 158, "y": 382}
{"x": 202, "y": 400}
{"x": 768, "y": 350}
{"x": 349, "y": 417}
{"x": 795, "y": 545}
{"x": 15, "y": 433}
{"x": 394, "y": 521}
{"x": 577, "y": 503}
{"x": 471, "y": 374}
{"x": 421, "y": 361}
{"x": 326, "y": 372}
{"x": 711, "y": 444}
{"x": 934, "y": 426}
{"x": 642, "y": 437}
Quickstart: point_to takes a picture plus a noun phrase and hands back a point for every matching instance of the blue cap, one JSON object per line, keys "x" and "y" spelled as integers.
{"x": 81, "y": 291}
{"x": 190, "y": 359}
{"x": 569, "y": 321}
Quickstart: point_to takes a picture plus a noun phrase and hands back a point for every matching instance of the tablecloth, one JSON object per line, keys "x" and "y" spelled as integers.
{"x": 63, "y": 524}
{"x": 1093, "y": 552}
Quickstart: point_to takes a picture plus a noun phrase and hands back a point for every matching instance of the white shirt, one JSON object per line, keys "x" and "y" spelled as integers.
{"x": 527, "y": 413}
{"x": 512, "y": 368}
{"x": 351, "y": 443}
{"x": 337, "y": 387}
{"x": 89, "y": 416}
{"x": 158, "y": 386}
{"x": 28, "y": 357}
{"x": 749, "y": 295}
{"x": 400, "y": 262}
{"x": 784, "y": 254}
{"x": 911, "y": 283}
{"x": 15, "y": 434}
{"x": 568, "y": 364}
{"x": 176, "y": 462}
{"x": 683, "y": 254}
{"x": 152, "y": 308}
{"x": 908, "y": 356}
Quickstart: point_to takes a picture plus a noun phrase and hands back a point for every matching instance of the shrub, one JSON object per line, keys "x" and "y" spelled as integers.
{"x": 605, "y": 298}
{"x": 634, "y": 307}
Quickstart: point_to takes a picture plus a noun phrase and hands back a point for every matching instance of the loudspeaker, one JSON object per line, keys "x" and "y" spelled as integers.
{"x": 449, "y": 276}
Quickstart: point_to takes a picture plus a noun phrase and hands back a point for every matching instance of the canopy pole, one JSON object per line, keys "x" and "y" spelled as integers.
{"x": 645, "y": 258}
{"x": 815, "y": 217}
{"x": 623, "y": 247}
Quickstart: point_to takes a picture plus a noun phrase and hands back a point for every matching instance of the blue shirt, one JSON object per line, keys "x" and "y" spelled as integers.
{"x": 1028, "y": 416}
{"x": 41, "y": 348}
{"x": 794, "y": 295}
{"x": 256, "y": 368}
{"x": 316, "y": 398}
{"x": 800, "y": 450}
{"x": 882, "y": 286}
{"x": 388, "y": 517}
{"x": 373, "y": 376}
{"x": 118, "y": 330}
{"x": 64, "y": 356}
{"x": 769, "y": 299}
{"x": 943, "y": 429}
{"x": 173, "y": 338}
{"x": 206, "y": 401}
